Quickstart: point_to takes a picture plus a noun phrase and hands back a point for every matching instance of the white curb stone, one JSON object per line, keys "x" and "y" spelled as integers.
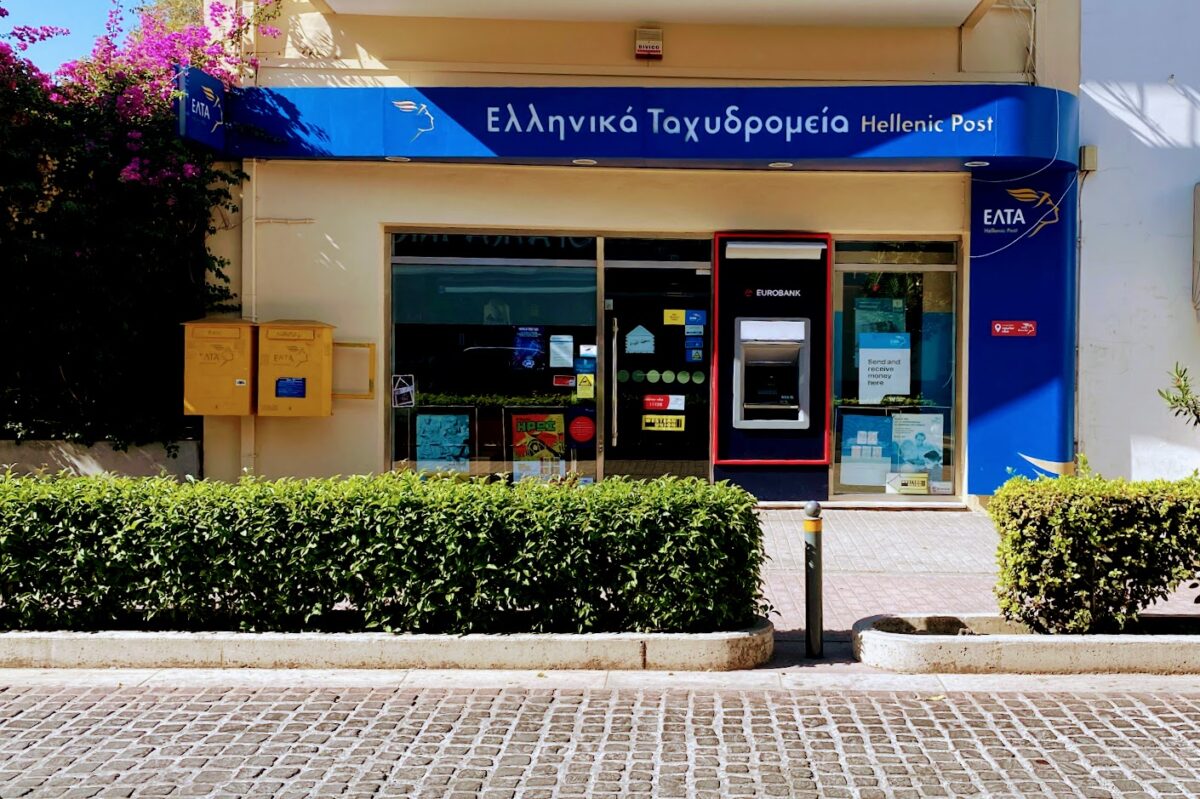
{"x": 724, "y": 651}
{"x": 999, "y": 646}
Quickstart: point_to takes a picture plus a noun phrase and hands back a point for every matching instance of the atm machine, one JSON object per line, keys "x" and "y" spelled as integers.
{"x": 773, "y": 354}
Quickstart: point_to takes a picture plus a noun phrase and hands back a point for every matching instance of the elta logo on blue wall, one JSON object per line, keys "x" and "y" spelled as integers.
{"x": 1021, "y": 389}
{"x": 201, "y": 106}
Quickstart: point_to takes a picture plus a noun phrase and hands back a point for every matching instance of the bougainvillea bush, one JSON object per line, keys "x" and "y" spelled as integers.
{"x": 104, "y": 214}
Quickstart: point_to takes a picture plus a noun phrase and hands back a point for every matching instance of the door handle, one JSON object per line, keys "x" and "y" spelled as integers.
{"x": 612, "y": 405}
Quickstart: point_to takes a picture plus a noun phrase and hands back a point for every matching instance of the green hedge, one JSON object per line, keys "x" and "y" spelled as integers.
{"x": 1082, "y": 554}
{"x": 392, "y": 552}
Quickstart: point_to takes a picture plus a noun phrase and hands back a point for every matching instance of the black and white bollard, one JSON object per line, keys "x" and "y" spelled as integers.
{"x": 814, "y": 610}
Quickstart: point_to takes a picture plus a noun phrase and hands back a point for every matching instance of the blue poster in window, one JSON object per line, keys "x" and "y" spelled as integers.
{"x": 696, "y": 318}
{"x": 695, "y": 356}
{"x": 290, "y": 388}
{"x": 443, "y": 442}
{"x": 529, "y": 348}
{"x": 694, "y": 342}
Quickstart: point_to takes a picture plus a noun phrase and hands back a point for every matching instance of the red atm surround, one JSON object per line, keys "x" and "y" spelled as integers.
{"x": 717, "y": 384}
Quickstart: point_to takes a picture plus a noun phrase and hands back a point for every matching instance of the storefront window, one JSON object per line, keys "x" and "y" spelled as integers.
{"x": 496, "y": 337}
{"x": 894, "y": 368}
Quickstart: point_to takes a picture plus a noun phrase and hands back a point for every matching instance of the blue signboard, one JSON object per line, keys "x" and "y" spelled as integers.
{"x": 201, "y": 106}
{"x": 1021, "y": 389}
{"x": 936, "y": 126}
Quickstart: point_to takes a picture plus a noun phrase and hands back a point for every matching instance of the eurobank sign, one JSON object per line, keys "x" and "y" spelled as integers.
{"x": 872, "y": 127}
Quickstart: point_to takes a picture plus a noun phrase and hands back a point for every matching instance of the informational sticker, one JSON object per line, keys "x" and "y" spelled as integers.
{"x": 674, "y": 316}
{"x": 693, "y": 330}
{"x": 663, "y": 423}
{"x": 585, "y": 386}
{"x": 884, "y": 366}
{"x": 694, "y": 342}
{"x": 639, "y": 341}
{"x": 581, "y": 429}
{"x": 564, "y": 381}
{"x": 587, "y": 351}
{"x": 291, "y": 387}
{"x": 695, "y": 318}
{"x": 1026, "y": 328}
{"x": 664, "y": 402}
{"x": 585, "y": 363}
{"x": 562, "y": 352}
{"x": 404, "y": 391}
{"x": 695, "y": 356}
{"x": 907, "y": 483}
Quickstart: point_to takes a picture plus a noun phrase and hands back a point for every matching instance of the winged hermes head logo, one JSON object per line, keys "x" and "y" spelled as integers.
{"x": 425, "y": 117}
{"x": 214, "y": 100}
{"x": 1038, "y": 199}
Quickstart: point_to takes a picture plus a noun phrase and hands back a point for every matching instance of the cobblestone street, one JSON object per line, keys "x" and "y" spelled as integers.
{"x": 275, "y": 741}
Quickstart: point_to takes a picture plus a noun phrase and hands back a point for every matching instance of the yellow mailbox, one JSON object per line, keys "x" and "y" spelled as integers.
{"x": 218, "y": 367}
{"x": 295, "y": 368}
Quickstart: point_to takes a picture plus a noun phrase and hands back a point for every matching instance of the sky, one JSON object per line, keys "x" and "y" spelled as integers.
{"x": 84, "y": 18}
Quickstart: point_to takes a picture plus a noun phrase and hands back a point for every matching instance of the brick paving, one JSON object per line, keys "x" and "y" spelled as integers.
{"x": 279, "y": 741}
{"x": 894, "y": 562}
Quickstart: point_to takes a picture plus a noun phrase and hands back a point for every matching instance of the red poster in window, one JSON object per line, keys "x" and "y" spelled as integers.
{"x": 538, "y": 436}
{"x": 1026, "y": 328}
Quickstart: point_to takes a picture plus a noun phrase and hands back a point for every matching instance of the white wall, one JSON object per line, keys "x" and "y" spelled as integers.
{"x": 1140, "y": 103}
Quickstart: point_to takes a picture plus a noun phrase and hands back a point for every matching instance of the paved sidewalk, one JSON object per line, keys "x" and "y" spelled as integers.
{"x": 893, "y": 562}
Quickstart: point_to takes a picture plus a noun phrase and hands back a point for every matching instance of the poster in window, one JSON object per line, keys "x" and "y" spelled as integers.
{"x": 529, "y": 348}
{"x": 538, "y": 445}
{"x": 877, "y": 315}
{"x": 443, "y": 442}
{"x": 866, "y": 450}
{"x": 917, "y": 441}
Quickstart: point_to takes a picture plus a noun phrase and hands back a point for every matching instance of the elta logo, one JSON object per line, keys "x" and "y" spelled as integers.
{"x": 424, "y": 116}
{"x": 1016, "y": 216}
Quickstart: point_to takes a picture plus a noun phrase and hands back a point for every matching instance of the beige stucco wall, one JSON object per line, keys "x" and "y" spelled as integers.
{"x": 320, "y": 252}
{"x": 1010, "y": 43}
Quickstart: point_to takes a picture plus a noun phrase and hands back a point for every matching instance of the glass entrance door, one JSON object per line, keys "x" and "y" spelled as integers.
{"x": 658, "y": 343}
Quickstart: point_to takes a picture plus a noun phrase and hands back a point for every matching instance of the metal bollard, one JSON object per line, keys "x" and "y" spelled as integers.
{"x": 814, "y": 610}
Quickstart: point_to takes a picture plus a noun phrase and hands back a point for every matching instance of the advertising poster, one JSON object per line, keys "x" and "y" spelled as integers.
{"x": 866, "y": 450}
{"x": 877, "y": 315}
{"x": 884, "y": 367}
{"x": 538, "y": 445}
{"x": 529, "y": 348}
{"x": 443, "y": 442}
{"x": 918, "y": 443}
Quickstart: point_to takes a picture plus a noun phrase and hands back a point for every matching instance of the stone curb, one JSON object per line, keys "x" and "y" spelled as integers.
{"x": 1004, "y": 647}
{"x": 723, "y": 651}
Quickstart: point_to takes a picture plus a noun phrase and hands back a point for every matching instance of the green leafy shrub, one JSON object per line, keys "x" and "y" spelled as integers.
{"x": 393, "y": 552}
{"x": 1082, "y": 554}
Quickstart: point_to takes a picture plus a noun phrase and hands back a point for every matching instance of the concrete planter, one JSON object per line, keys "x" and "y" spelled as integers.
{"x": 724, "y": 651}
{"x": 52, "y": 457}
{"x": 980, "y": 644}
